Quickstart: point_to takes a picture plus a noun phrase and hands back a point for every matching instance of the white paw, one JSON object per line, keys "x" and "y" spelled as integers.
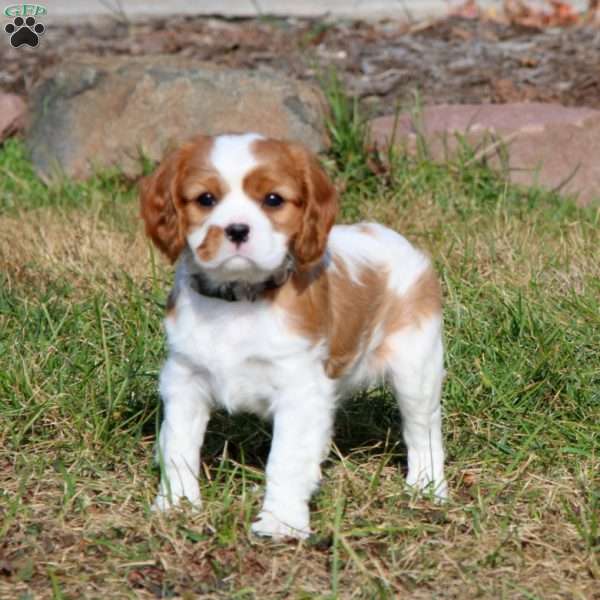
{"x": 440, "y": 491}
{"x": 268, "y": 525}
{"x": 163, "y": 503}
{"x": 424, "y": 486}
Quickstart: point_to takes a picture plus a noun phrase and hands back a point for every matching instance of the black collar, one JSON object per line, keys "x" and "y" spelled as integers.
{"x": 236, "y": 291}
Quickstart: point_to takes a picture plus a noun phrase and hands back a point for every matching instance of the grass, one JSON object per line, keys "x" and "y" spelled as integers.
{"x": 81, "y": 301}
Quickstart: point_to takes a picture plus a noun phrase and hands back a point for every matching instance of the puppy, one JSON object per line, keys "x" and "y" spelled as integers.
{"x": 275, "y": 311}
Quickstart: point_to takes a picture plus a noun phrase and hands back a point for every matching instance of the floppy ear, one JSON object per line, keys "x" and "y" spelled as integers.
{"x": 320, "y": 210}
{"x": 157, "y": 204}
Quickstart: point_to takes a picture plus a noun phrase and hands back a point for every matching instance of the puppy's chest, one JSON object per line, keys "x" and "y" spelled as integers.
{"x": 243, "y": 349}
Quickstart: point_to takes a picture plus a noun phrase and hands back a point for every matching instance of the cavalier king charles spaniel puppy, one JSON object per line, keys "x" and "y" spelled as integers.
{"x": 277, "y": 312}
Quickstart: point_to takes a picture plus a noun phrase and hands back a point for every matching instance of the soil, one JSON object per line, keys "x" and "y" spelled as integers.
{"x": 453, "y": 60}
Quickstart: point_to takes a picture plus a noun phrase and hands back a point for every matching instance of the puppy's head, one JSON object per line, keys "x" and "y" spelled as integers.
{"x": 241, "y": 203}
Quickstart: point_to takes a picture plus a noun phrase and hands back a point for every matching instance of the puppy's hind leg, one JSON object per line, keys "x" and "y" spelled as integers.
{"x": 416, "y": 371}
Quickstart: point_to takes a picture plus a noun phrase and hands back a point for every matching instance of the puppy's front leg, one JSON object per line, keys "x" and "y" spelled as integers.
{"x": 186, "y": 412}
{"x": 302, "y": 429}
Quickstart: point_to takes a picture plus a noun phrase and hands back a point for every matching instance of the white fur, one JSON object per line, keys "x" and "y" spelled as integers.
{"x": 381, "y": 246}
{"x": 242, "y": 356}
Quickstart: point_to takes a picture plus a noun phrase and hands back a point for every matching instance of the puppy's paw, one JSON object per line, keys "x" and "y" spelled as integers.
{"x": 438, "y": 490}
{"x": 163, "y": 503}
{"x": 268, "y": 525}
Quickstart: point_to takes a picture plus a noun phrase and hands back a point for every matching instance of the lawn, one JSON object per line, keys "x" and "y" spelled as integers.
{"x": 82, "y": 295}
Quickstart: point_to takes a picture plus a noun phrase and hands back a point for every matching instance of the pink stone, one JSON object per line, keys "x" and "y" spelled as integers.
{"x": 547, "y": 144}
{"x": 12, "y": 115}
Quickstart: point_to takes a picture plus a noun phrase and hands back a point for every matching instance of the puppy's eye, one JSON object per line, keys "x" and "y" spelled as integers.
{"x": 273, "y": 200}
{"x": 206, "y": 199}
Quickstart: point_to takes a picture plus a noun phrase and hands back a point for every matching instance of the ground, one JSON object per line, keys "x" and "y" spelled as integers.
{"x": 449, "y": 60}
{"x": 81, "y": 300}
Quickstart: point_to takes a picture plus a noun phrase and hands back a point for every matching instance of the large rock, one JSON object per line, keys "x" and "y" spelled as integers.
{"x": 97, "y": 113}
{"x": 12, "y": 115}
{"x": 536, "y": 144}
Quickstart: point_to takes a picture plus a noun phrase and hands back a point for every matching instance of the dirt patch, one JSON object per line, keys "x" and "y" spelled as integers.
{"x": 448, "y": 61}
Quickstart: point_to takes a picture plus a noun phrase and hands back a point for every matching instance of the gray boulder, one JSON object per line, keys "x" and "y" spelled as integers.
{"x": 98, "y": 113}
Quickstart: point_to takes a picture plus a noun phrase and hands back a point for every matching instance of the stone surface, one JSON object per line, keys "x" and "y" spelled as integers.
{"x": 12, "y": 115}
{"x": 97, "y": 113}
{"x": 534, "y": 143}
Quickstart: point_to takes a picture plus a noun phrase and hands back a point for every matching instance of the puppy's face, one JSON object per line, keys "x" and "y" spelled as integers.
{"x": 241, "y": 203}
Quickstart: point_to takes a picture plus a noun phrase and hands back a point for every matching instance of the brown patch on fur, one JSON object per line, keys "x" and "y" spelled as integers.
{"x": 311, "y": 204}
{"x": 327, "y": 304}
{"x": 356, "y": 311}
{"x": 166, "y": 196}
{"x": 421, "y": 301}
{"x": 211, "y": 243}
{"x": 264, "y": 180}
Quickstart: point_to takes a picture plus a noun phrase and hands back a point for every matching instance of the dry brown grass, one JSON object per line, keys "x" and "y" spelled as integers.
{"x": 78, "y": 247}
{"x": 500, "y": 537}
{"x": 504, "y": 250}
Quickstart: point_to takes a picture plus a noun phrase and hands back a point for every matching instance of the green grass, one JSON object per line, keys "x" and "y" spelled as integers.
{"x": 81, "y": 343}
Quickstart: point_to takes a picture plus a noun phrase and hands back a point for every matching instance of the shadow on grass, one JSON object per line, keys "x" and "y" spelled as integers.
{"x": 368, "y": 421}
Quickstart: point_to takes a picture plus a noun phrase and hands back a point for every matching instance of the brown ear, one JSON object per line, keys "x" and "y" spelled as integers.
{"x": 157, "y": 203}
{"x": 319, "y": 212}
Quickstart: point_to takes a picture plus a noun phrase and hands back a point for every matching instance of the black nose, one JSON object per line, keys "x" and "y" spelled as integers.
{"x": 237, "y": 232}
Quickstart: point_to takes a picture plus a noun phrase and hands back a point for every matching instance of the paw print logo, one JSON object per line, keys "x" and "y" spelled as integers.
{"x": 24, "y": 31}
